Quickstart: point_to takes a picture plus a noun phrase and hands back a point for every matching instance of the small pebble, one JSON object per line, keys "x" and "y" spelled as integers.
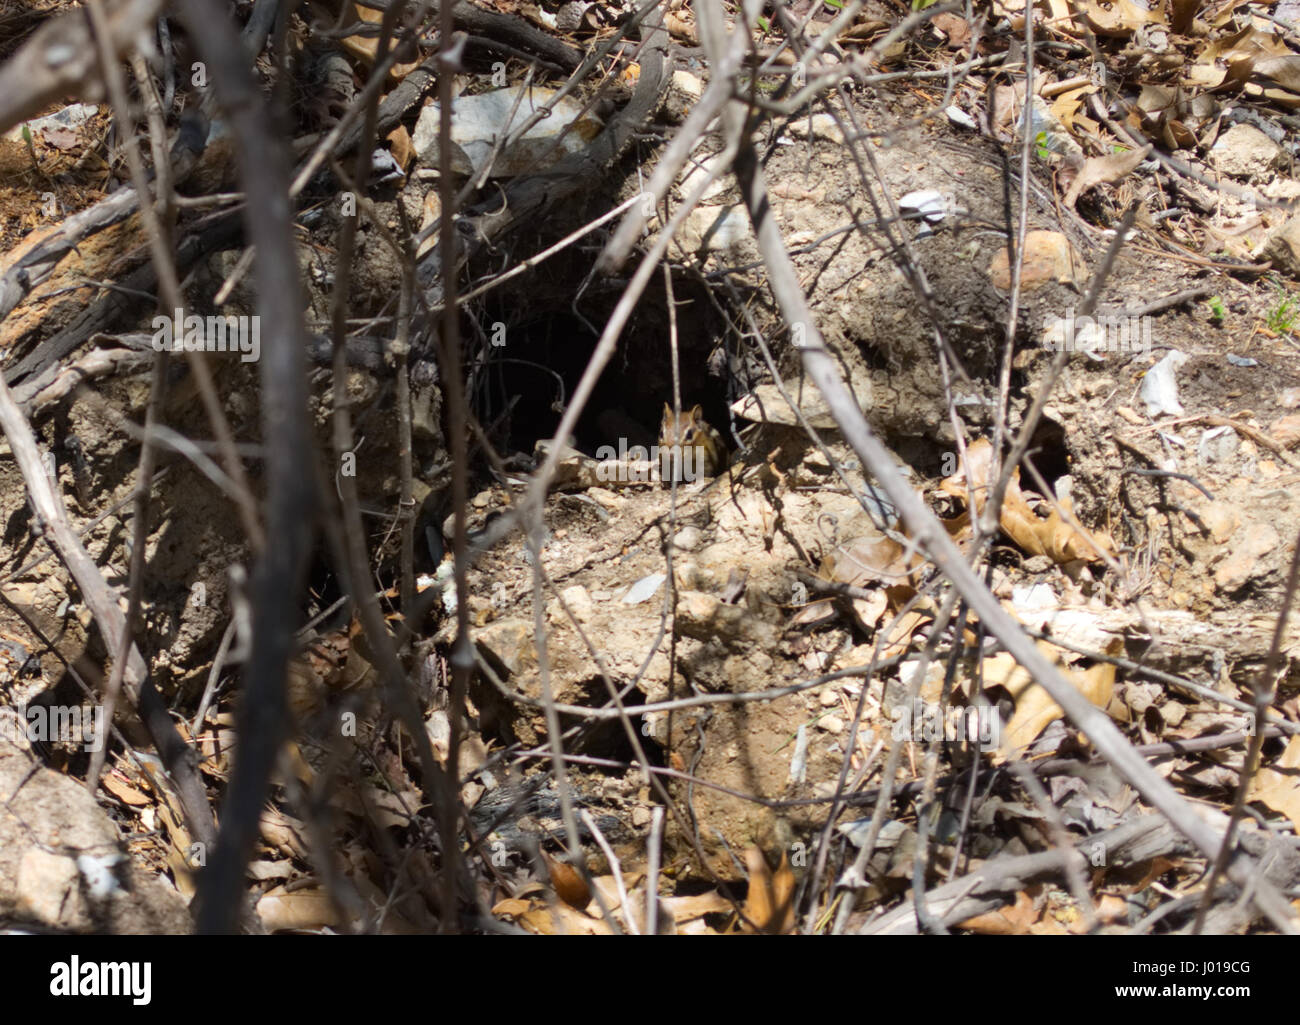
{"x": 688, "y": 539}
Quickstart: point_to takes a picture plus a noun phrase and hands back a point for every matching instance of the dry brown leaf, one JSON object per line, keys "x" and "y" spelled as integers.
{"x": 1117, "y": 18}
{"x": 1059, "y": 540}
{"x": 681, "y": 28}
{"x": 282, "y": 833}
{"x": 401, "y": 147}
{"x": 265, "y": 871}
{"x": 310, "y": 908}
{"x": 958, "y": 527}
{"x": 1059, "y": 11}
{"x": 769, "y": 905}
{"x": 62, "y": 138}
{"x": 1248, "y": 44}
{"x": 307, "y": 908}
{"x": 607, "y": 888}
{"x": 561, "y": 920}
{"x": 365, "y": 47}
{"x": 1278, "y": 785}
{"x": 121, "y": 788}
{"x": 868, "y": 560}
{"x": 1035, "y": 708}
{"x": 1011, "y": 920}
{"x": 511, "y": 907}
{"x": 1112, "y": 910}
{"x": 685, "y": 909}
{"x": 956, "y": 29}
{"x": 868, "y": 611}
{"x": 872, "y": 559}
{"x": 815, "y": 613}
{"x": 1207, "y": 74}
{"x": 1279, "y": 97}
{"x": 1157, "y": 867}
{"x": 1283, "y": 71}
{"x": 900, "y": 637}
{"x": 1104, "y": 170}
{"x": 1052, "y": 535}
{"x": 179, "y": 851}
{"x": 567, "y": 882}
{"x": 1066, "y": 106}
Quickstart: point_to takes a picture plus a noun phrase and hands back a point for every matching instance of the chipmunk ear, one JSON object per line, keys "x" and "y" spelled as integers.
{"x": 697, "y": 413}
{"x": 668, "y": 411}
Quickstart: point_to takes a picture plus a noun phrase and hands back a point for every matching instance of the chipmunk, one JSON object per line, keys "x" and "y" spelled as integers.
{"x": 689, "y": 449}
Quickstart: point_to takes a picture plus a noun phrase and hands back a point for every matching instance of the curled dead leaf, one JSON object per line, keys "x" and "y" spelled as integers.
{"x": 1035, "y": 708}
{"x": 769, "y": 905}
{"x": 567, "y": 882}
{"x": 1053, "y": 535}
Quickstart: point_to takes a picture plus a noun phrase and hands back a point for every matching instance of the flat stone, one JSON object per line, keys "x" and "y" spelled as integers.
{"x": 1244, "y": 152}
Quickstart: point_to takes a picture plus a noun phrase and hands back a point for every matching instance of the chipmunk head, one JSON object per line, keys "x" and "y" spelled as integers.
{"x": 683, "y": 430}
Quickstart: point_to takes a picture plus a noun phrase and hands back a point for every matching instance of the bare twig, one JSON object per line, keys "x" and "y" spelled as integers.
{"x": 289, "y": 512}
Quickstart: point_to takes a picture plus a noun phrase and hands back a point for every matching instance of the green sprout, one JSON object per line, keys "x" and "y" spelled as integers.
{"x": 1041, "y": 140}
{"x": 1282, "y": 318}
{"x": 31, "y": 149}
{"x": 1217, "y": 312}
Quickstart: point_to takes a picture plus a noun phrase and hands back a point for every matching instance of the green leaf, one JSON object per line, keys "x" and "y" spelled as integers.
{"x": 1283, "y": 317}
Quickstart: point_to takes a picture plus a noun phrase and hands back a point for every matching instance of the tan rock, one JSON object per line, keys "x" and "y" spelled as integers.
{"x": 1286, "y": 430}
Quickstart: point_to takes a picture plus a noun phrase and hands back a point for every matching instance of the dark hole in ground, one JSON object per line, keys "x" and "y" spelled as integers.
{"x": 545, "y": 353}
{"x": 324, "y": 589}
{"x": 1049, "y": 454}
{"x": 607, "y": 738}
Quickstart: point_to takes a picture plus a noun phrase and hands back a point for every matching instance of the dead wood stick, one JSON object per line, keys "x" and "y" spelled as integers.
{"x": 60, "y": 59}
{"x": 290, "y": 458}
{"x": 101, "y": 313}
{"x": 36, "y": 265}
{"x": 59, "y": 382}
{"x": 987, "y": 887}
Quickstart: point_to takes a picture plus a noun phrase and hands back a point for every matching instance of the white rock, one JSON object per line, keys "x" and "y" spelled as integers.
{"x": 1160, "y": 388}
{"x": 477, "y": 121}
